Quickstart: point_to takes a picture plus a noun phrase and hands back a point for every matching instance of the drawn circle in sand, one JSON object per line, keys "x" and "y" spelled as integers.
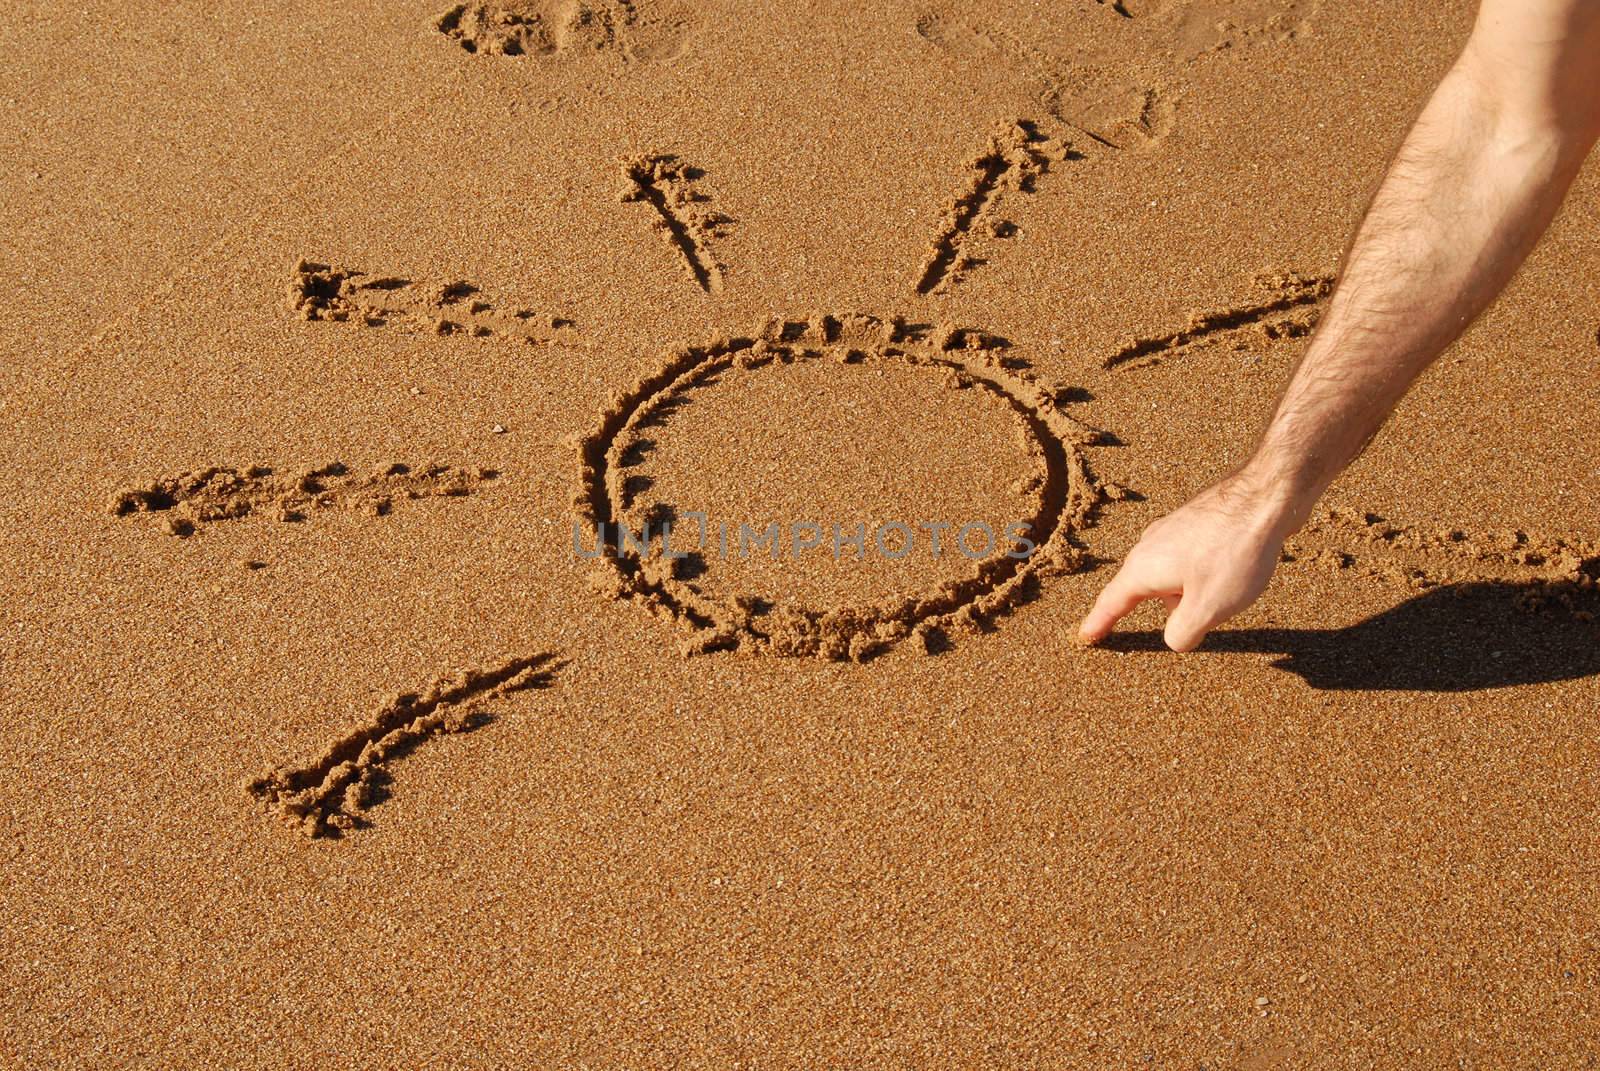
{"x": 1057, "y": 491}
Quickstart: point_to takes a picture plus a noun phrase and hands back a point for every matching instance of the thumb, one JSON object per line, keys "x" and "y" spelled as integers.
{"x": 1188, "y": 624}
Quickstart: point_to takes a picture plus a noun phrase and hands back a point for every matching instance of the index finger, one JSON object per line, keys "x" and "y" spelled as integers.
{"x": 1131, "y": 586}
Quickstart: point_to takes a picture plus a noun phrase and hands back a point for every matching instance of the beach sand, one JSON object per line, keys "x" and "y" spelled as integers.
{"x": 319, "y": 743}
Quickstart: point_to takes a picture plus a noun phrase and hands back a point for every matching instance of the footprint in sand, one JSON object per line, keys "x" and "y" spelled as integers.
{"x": 1119, "y": 107}
{"x": 642, "y": 30}
{"x": 1210, "y": 25}
{"x": 1118, "y": 101}
{"x": 1205, "y": 28}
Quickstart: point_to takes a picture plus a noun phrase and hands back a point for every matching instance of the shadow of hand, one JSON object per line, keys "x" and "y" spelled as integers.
{"x": 1457, "y": 638}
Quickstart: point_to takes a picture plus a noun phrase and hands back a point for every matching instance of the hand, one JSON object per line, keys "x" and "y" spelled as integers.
{"x": 1206, "y": 562}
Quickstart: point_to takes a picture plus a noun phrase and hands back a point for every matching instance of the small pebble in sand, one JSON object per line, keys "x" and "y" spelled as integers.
{"x": 1262, "y": 1002}
{"x": 177, "y": 526}
{"x": 499, "y": 429}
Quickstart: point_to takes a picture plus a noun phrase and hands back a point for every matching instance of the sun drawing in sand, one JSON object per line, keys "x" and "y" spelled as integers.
{"x": 1061, "y": 492}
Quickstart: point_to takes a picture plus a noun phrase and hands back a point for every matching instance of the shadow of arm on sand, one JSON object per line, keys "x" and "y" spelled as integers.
{"x": 1457, "y": 638}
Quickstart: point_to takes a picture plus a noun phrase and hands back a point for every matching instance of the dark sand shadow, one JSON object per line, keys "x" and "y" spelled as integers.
{"x": 1457, "y": 638}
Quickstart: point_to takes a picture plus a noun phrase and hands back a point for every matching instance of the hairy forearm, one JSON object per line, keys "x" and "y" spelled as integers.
{"x": 1466, "y": 199}
{"x": 1479, "y": 178}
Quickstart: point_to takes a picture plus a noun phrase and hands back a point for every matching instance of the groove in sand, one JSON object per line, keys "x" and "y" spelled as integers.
{"x": 667, "y": 184}
{"x": 1280, "y": 294}
{"x": 1066, "y": 494}
{"x": 1551, "y": 572}
{"x": 341, "y": 294}
{"x": 333, "y": 792}
{"x": 191, "y": 500}
{"x": 1016, "y": 155}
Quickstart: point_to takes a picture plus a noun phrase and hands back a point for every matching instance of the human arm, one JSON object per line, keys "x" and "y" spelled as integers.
{"x": 1472, "y": 189}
